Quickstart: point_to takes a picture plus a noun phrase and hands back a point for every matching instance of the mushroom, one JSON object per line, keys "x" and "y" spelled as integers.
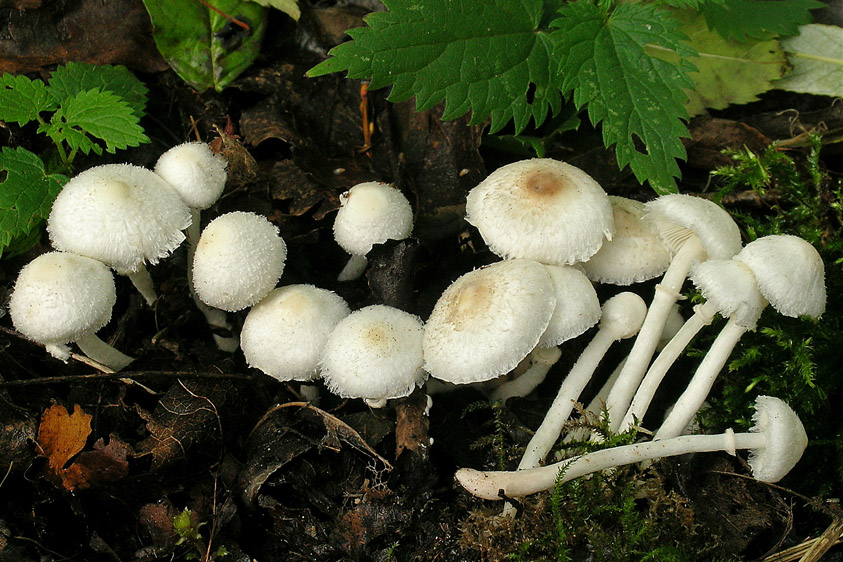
{"x": 239, "y": 259}
{"x": 61, "y": 297}
{"x": 121, "y": 215}
{"x": 622, "y": 317}
{"x": 284, "y": 334}
{"x": 541, "y": 209}
{"x": 374, "y": 353}
{"x": 488, "y": 320}
{"x": 370, "y": 213}
{"x": 791, "y": 276}
{"x": 776, "y": 442}
{"x": 694, "y": 229}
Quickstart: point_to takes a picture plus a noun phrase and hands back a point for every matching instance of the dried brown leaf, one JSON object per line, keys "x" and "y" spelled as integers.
{"x": 62, "y": 435}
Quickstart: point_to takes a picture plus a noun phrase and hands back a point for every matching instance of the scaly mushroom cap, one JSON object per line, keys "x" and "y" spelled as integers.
{"x": 785, "y": 439}
{"x": 677, "y": 217}
{"x": 541, "y": 209}
{"x": 119, "y": 214}
{"x": 577, "y": 306}
{"x": 790, "y": 274}
{"x": 731, "y": 287}
{"x": 371, "y": 213}
{"x": 488, "y": 320}
{"x": 283, "y": 335}
{"x": 60, "y": 297}
{"x": 195, "y": 172}
{"x": 374, "y": 353}
{"x": 634, "y": 254}
{"x": 239, "y": 259}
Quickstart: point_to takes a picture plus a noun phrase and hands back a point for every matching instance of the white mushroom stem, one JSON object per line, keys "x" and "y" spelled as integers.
{"x": 667, "y": 293}
{"x": 622, "y": 317}
{"x": 142, "y": 281}
{"x": 541, "y": 360}
{"x": 493, "y": 485}
{"x": 703, "y": 315}
{"x": 695, "y": 394}
{"x": 354, "y": 268}
{"x": 101, "y": 352}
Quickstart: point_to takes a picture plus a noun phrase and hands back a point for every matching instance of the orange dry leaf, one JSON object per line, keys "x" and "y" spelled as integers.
{"x": 61, "y": 436}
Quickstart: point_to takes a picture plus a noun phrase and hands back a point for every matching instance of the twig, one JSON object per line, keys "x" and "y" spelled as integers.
{"x": 811, "y": 550}
{"x": 123, "y": 376}
{"x": 232, "y": 19}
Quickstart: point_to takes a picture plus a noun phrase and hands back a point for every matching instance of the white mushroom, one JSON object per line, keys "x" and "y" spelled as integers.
{"x": 776, "y": 443}
{"x": 60, "y": 298}
{"x": 121, "y": 215}
{"x": 370, "y": 213}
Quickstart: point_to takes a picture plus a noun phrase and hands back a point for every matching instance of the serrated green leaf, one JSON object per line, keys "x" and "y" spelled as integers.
{"x": 26, "y": 194}
{"x": 816, "y": 57}
{"x": 289, "y": 7}
{"x": 728, "y": 71}
{"x": 758, "y": 19}
{"x": 636, "y": 98}
{"x": 75, "y": 139}
{"x": 22, "y": 99}
{"x": 482, "y": 57}
{"x": 205, "y": 48}
{"x": 69, "y": 80}
{"x": 103, "y": 115}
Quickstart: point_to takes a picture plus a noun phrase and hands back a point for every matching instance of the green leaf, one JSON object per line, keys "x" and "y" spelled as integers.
{"x": 289, "y": 7}
{"x": 103, "y": 115}
{"x": 816, "y": 56}
{"x": 75, "y": 77}
{"x": 758, "y": 19}
{"x": 26, "y": 194}
{"x": 206, "y": 49}
{"x": 728, "y": 71}
{"x": 483, "y": 57}
{"x": 635, "y": 97}
{"x": 22, "y": 99}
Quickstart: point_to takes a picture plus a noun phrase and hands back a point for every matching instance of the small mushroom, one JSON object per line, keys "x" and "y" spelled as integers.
{"x": 374, "y": 353}
{"x": 239, "y": 260}
{"x": 122, "y": 215}
{"x": 776, "y": 442}
{"x": 61, "y": 297}
{"x": 370, "y": 213}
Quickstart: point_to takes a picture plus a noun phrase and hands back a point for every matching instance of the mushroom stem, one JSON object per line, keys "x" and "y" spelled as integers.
{"x": 541, "y": 360}
{"x": 142, "y": 281}
{"x": 703, "y": 315}
{"x": 354, "y": 268}
{"x": 697, "y": 391}
{"x": 101, "y": 352}
{"x": 667, "y": 293}
{"x": 192, "y": 233}
{"x": 494, "y": 485}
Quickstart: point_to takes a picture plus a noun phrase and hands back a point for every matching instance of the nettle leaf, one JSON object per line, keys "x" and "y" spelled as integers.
{"x": 75, "y": 77}
{"x": 22, "y": 99}
{"x": 26, "y": 194}
{"x": 482, "y": 57}
{"x": 758, "y": 19}
{"x": 103, "y": 115}
{"x": 636, "y": 98}
{"x": 817, "y": 60}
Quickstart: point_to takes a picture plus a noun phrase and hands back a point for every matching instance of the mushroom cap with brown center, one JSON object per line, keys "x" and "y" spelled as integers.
{"x": 541, "y": 209}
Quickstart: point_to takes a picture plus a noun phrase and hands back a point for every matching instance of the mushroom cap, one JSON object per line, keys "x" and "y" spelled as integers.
{"x": 239, "y": 259}
{"x": 541, "y": 209}
{"x": 623, "y": 315}
{"x": 119, "y": 214}
{"x": 577, "y": 306}
{"x": 790, "y": 274}
{"x": 374, "y": 353}
{"x": 371, "y": 213}
{"x": 677, "y": 217}
{"x": 60, "y": 297}
{"x": 635, "y": 253}
{"x": 488, "y": 320}
{"x": 731, "y": 287}
{"x": 195, "y": 172}
{"x": 283, "y": 335}
{"x": 785, "y": 439}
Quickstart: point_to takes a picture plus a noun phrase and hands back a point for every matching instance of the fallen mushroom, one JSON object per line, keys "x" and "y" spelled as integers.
{"x": 61, "y": 297}
{"x": 776, "y": 442}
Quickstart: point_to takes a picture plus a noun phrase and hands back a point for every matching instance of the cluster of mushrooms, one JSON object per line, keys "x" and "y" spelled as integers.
{"x": 498, "y": 327}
